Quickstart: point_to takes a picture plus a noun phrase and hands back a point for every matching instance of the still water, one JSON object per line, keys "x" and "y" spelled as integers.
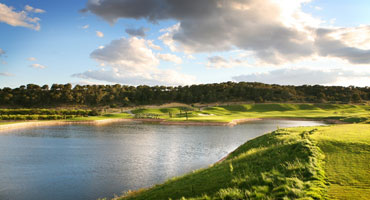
{"x": 88, "y": 162}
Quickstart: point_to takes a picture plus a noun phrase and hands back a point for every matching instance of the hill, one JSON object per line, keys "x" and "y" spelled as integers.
{"x": 294, "y": 163}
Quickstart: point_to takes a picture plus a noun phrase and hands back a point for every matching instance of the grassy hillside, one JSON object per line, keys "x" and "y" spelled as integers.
{"x": 348, "y": 113}
{"x": 295, "y": 163}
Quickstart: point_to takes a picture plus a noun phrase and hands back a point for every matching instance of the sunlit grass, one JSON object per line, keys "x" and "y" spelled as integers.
{"x": 6, "y": 123}
{"x": 304, "y": 162}
{"x": 102, "y": 117}
{"x": 347, "y": 160}
{"x": 347, "y": 113}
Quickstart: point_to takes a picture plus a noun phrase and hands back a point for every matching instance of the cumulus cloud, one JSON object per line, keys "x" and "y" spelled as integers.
{"x": 170, "y": 58}
{"x": 221, "y": 62}
{"x": 99, "y": 34}
{"x": 32, "y": 9}
{"x": 141, "y": 32}
{"x": 131, "y": 61}
{"x": 351, "y": 44}
{"x": 38, "y": 66}
{"x": 301, "y": 76}
{"x": 218, "y": 62}
{"x": 21, "y": 18}
{"x": 153, "y": 46}
{"x": 277, "y": 31}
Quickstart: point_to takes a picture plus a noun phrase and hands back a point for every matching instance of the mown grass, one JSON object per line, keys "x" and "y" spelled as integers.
{"x": 346, "y": 113}
{"x": 325, "y": 162}
{"x": 102, "y": 117}
{"x": 347, "y": 160}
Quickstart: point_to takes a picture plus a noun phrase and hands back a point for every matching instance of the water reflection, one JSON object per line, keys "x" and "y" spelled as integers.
{"x": 88, "y": 162}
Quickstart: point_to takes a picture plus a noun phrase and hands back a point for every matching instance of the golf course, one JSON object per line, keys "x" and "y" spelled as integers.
{"x": 323, "y": 162}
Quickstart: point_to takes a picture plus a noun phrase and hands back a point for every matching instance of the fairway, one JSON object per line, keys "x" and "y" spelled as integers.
{"x": 227, "y": 113}
{"x": 347, "y": 160}
{"x": 325, "y": 162}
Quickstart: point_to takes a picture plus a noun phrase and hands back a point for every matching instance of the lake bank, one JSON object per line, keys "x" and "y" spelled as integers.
{"x": 91, "y": 162}
{"x": 229, "y": 115}
{"x": 289, "y": 163}
{"x": 31, "y": 124}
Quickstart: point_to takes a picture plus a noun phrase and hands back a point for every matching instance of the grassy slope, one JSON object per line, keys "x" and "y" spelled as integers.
{"x": 287, "y": 163}
{"x": 350, "y": 113}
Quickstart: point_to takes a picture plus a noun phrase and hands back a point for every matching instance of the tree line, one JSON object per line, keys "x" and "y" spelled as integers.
{"x": 33, "y": 95}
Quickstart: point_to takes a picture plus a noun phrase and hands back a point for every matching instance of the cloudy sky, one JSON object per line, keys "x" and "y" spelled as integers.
{"x": 180, "y": 42}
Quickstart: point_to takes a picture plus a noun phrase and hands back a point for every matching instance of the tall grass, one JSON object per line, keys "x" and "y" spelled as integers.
{"x": 279, "y": 165}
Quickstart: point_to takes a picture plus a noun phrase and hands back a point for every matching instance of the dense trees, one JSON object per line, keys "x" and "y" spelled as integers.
{"x": 122, "y": 95}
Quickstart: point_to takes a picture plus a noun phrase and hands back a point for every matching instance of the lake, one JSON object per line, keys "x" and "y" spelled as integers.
{"x": 88, "y": 162}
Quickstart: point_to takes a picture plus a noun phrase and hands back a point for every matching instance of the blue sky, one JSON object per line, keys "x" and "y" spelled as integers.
{"x": 214, "y": 45}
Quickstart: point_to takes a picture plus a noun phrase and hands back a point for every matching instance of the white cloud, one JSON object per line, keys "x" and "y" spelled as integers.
{"x": 31, "y": 59}
{"x": 34, "y": 10}
{"x": 131, "y": 61}
{"x": 21, "y": 18}
{"x": 218, "y": 62}
{"x": 350, "y": 44}
{"x": 99, "y": 34}
{"x": 301, "y": 76}
{"x": 221, "y": 62}
{"x": 85, "y": 26}
{"x": 38, "y": 66}
{"x": 167, "y": 38}
{"x": 170, "y": 58}
{"x": 276, "y": 31}
{"x": 153, "y": 46}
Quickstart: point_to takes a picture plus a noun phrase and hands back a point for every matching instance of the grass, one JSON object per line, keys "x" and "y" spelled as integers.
{"x": 6, "y": 123}
{"x": 102, "y": 117}
{"x": 347, "y": 162}
{"x": 347, "y": 113}
{"x": 295, "y": 163}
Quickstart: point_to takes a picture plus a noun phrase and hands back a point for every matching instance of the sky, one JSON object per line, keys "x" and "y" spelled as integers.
{"x": 183, "y": 42}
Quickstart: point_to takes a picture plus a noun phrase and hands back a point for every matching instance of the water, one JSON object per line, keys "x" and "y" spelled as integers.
{"x": 88, "y": 162}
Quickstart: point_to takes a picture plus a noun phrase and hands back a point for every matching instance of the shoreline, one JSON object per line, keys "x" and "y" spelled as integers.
{"x": 31, "y": 124}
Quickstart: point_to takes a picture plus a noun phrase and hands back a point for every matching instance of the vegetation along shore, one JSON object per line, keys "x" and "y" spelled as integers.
{"x": 226, "y": 115}
{"x": 325, "y": 162}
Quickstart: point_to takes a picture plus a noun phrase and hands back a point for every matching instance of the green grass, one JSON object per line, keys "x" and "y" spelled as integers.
{"x": 102, "y": 117}
{"x": 6, "y": 123}
{"x": 347, "y": 160}
{"x": 347, "y": 113}
{"x": 295, "y": 163}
